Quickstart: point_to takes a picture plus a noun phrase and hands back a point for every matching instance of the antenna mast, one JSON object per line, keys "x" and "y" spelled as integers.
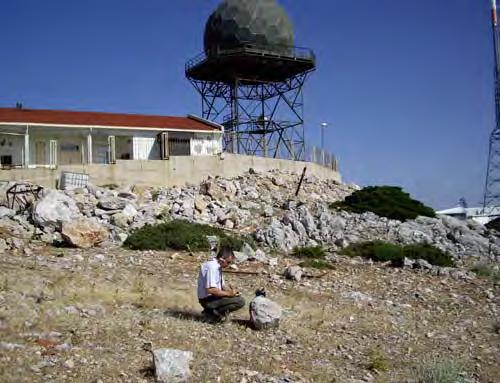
{"x": 492, "y": 187}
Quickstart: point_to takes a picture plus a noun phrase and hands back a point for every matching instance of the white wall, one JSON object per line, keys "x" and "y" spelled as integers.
{"x": 206, "y": 144}
{"x": 146, "y": 148}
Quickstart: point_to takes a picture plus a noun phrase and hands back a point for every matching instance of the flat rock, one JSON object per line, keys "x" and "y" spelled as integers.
{"x": 112, "y": 203}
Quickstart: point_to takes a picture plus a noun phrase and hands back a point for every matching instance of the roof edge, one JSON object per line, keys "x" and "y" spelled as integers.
{"x": 205, "y": 121}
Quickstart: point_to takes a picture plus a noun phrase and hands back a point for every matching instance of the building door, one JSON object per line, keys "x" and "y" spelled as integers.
{"x": 40, "y": 152}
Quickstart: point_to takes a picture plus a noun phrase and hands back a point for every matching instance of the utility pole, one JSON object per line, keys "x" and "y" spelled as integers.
{"x": 323, "y": 127}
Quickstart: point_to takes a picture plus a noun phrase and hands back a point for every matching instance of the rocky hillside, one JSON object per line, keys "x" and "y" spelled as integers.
{"x": 262, "y": 205}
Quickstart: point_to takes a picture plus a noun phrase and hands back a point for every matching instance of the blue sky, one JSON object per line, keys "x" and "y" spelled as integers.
{"x": 406, "y": 86}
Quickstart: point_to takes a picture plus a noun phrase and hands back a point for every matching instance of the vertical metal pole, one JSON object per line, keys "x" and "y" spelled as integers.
{"x": 264, "y": 119}
{"x": 234, "y": 117}
{"x": 323, "y": 127}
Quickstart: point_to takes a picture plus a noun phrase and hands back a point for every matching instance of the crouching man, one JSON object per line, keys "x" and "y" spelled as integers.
{"x": 217, "y": 299}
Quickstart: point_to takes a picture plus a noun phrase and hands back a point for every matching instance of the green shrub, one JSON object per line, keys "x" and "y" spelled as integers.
{"x": 377, "y": 251}
{"x": 385, "y": 201}
{"x": 431, "y": 254}
{"x": 380, "y": 251}
{"x": 494, "y": 224}
{"x": 179, "y": 235}
{"x": 444, "y": 371}
{"x": 316, "y": 264}
{"x": 310, "y": 252}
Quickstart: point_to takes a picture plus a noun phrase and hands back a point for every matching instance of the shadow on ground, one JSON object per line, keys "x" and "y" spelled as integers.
{"x": 197, "y": 316}
{"x": 186, "y": 315}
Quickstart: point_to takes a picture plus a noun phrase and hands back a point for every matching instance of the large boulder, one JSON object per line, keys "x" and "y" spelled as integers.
{"x": 84, "y": 233}
{"x": 264, "y": 313}
{"x": 53, "y": 209}
{"x": 172, "y": 366}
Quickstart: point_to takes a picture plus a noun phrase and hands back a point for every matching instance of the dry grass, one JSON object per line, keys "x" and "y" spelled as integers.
{"x": 106, "y": 313}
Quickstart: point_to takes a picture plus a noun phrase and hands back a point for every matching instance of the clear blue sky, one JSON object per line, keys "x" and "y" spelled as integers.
{"x": 406, "y": 86}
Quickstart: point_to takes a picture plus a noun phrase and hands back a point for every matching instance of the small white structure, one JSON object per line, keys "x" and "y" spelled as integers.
{"x": 478, "y": 214}
{"x": 47, "y": 138}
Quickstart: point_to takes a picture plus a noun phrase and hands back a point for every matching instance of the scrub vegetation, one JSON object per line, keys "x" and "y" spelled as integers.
{"x": 309, "y": 252}
{"x": 385, "y": 201}
{"x": 313, "y": 257}
{"x": 380, "y": 251}
{"x": 180, "y": 235}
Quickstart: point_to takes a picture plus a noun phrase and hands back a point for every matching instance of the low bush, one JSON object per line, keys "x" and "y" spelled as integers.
{"x": 180, "y": 235}
{"x": 380, "y": 251}
{"x": 494, "y": 224}
{"x": 378, "y": 360}
{"x": 377, "y": 251}
{"x": 443, "y": 371}
{"x": 316, "y": 264}
{"x": 310, "y": 252}
{"x": 385, "y": 201}
{"x": 431, "y": 254}
{"x": 487, "y": 271}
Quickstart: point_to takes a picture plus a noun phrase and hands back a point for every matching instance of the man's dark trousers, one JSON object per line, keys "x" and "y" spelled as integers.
{"x": 221, "y": 306}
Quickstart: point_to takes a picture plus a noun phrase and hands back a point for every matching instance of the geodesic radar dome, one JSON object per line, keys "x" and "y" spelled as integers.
{"x": 262, "y": 24}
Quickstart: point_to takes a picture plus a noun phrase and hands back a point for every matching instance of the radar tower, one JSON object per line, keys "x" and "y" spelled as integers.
{"x": 251, "y": 78}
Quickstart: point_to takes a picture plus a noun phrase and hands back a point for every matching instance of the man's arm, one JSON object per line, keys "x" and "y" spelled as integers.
{"x": 221, "y": 293}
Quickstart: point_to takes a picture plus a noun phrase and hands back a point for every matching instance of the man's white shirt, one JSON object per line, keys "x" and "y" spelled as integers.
{"x": 210, "y": 276}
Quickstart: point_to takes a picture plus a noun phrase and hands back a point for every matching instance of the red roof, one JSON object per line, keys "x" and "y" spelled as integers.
{"x": 63, "y": 117}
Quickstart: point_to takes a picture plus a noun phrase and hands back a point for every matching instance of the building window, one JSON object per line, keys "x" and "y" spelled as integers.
{"x": 70, "y": 148}
{"x": 6, "y": 160}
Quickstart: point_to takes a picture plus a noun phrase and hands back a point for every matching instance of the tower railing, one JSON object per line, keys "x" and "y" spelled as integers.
{"x": 277, "y": 51}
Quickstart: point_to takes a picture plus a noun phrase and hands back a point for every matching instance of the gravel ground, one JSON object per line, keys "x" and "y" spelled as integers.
{"x": 69, "y": 315}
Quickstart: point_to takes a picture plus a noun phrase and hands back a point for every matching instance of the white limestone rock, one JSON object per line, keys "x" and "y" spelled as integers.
{"x": 172, "y": 366}
{"x": 264, "y": 313}
{"x": 54, "y": 209}
{"x": 293, "y": 273}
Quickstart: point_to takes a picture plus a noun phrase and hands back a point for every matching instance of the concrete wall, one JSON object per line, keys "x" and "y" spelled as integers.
{"x": 175, "y": 171}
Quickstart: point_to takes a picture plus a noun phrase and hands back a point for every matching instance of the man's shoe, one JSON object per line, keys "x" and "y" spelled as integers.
{"x": 210, "y": 316}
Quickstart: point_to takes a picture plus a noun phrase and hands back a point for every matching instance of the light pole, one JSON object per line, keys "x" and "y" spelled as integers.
{"x": 323, "y": 127}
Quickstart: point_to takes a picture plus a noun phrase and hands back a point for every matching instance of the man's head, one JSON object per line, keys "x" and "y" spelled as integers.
{"x": 225, "y": 256}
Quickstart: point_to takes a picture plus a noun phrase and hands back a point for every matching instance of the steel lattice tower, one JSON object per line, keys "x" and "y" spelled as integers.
{"x": 492, "y": 188}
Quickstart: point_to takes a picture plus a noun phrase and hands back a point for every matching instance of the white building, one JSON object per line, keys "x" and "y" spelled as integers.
{"x": 478, "y": 214}
{"x": 48, "y": 138}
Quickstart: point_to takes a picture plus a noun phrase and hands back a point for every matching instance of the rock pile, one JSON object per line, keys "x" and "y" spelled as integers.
{"x": 316, "y": 224}
{"x": 258, "y": 204}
